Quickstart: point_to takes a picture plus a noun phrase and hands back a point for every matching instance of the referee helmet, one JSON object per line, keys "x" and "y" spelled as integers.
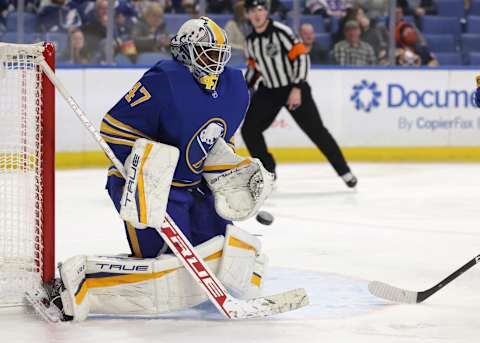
{"x": 249, "y": 4}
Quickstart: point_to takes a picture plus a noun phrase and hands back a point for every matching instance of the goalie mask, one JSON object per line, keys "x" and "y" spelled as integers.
{"x": 202, "y": 46}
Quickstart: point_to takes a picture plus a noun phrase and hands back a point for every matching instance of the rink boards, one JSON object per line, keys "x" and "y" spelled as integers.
{"x": 375, "y": 114}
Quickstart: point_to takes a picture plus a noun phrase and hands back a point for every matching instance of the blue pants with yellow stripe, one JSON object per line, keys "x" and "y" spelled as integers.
{"x": 192, "y": 209}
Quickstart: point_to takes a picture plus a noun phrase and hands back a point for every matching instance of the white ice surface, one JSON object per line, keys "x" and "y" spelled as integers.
{"x": 408, "y": 224}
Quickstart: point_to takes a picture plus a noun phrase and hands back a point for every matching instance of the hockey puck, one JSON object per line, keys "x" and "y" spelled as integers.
{"x": 264, "y": 218}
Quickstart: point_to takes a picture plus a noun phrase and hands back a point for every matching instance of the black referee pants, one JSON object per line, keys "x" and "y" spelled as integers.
{"x": 264, "y": 107}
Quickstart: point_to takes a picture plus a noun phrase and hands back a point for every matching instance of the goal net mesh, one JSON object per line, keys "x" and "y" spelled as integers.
{"x": 20, "y": 171}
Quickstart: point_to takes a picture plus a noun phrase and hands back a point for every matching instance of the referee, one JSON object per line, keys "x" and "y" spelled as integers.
{"x": 280, "y": 60}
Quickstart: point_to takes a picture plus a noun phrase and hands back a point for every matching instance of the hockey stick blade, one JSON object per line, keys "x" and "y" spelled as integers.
{"x": 267, "y": 306}
{"x": 392, "y": 293}
{"x": 395, "y": 294}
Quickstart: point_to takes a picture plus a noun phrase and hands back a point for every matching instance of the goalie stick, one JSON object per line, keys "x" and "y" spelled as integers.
{"x": 228, "y": 305}
{"x": 395, "y": 294}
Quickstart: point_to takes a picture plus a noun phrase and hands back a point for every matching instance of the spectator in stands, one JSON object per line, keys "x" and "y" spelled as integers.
{"x": 30, "y": 6}
{"x": 186, "y": 6}
{"x": 125, "y": 17}
{"x": 375, "y": 35}
{"x": 400, "y": 20}
{"x": 373, "y": 8}
{"x": 238, "y": 28}
{"x": 76, "y": 52}
{"x": 409, "y": 52}
{"x": 3, "y": 12}
{"x": 219, "y": 6}
{"x": 191, "y": 7}
{"x": 418, "y": 8}
{"x": 352, "y": 51}
{"x": 150, "y": 33}
{"x": 96, "y": 29}
{"x": 58, "y": 16}
{"x": 350, "y": 14}
{"x": 278, "y": 8}
{"x": 141, "y": 5}
{"x": 318, "y": 55}
{"x": 128, "y": 12}
{"x": 328, "y": 8}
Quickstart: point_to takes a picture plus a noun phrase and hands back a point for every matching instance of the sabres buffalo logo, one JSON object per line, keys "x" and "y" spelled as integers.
{"x": 202, "y": 142}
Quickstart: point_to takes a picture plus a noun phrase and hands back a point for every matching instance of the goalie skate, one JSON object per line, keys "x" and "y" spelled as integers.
{"x": 41, "y": 302}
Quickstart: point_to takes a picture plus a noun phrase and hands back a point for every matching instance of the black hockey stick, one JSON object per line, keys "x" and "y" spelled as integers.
{"x": 386, "y": 291}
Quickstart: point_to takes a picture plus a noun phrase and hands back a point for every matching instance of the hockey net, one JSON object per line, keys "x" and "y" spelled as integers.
{"x": 26, "y": 170}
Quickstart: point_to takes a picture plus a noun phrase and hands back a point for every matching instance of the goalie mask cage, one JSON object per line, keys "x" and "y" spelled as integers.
{"x": 27, "y": 150}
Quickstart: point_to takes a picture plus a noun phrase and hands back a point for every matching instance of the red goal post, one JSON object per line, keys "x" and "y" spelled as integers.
{"x": 27, "y": 169}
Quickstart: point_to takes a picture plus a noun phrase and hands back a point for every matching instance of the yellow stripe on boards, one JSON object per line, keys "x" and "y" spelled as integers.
{"x": 90, "y": 159}
{"x": 141, "y": 188}
{"x": 235, "y": 242}
{"x": 378, "y": 154}
{"x": 111, "y": 281}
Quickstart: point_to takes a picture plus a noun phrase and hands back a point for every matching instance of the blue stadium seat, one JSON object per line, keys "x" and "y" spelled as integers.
{"x": 449, "y": 58}
{"x": 315, "y": 20}
{"x": 474, "y": 58}
{"x": 334, "y": 24}
{"x": 30, "y": 23}
{"x": 473, "y": 24}
{"x": 60, "y": 40}
{"x": 437, "y": 24}
{"x": 150, "y": 58}
{"x": 221, "y": 19}
{"x": 451, "y": 8}
{"x": 121, "y": 59}
{"x": 441, "y": 43}
{"x": 470, "y": 42}
{"x": 383, "y": 20}
{"x": 324, "y": 40}
{"x": 174, "y": 21}
{"x": 11, "y": 37}
{"x": 288, "y": 4}
{"x": 409, "y": 19}
{"x": 474, "y": 8}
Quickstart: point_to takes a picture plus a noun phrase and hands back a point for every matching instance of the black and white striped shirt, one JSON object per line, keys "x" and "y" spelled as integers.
{"x": 277, "y": 56}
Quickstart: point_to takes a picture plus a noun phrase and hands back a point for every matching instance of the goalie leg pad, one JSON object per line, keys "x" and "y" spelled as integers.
{"x": 75, "y": 296}
{"x": 150, "y": 167}
{"x": 131, "y": 286}
{"x": 240, "y": 185}
{"x": 243, "y": 264}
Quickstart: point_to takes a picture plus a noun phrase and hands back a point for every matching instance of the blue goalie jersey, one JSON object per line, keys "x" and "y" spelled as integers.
{"x": 167, "y": 105}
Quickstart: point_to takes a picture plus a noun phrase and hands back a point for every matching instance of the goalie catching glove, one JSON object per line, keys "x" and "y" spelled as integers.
{"x": 240, "y": 185}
